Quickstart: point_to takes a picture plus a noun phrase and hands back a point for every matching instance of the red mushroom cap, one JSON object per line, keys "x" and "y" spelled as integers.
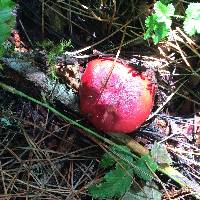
{"x": 115, "y": 96}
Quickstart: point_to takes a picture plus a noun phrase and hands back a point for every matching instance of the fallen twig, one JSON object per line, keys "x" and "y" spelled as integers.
{"x": 49, "y": 87}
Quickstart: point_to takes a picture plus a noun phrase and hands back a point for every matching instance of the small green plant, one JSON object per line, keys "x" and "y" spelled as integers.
{"x": 53, "y": 51}
{"x": 7, "y": 21}
{"x": 192, "y": 19}
{"x": 123, "y": 166}
{"x": 159, "y": 23}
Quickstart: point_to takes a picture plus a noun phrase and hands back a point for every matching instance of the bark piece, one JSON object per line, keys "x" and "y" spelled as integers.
{"x": 48, "y": 87}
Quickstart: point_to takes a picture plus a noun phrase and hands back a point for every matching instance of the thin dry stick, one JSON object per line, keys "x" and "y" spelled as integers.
{"x": 191, "y": 42}
{"x": 64, "y": 17}
{"x": 177, "y": 38}
{"x": 94, "y": 16}
{"x": 158, "y": 179}
{"x": 113, "y": 16}
{"x": 180, "y": 51}
{"x": 3, "y": 181}
{"x": 95, "y": 44}
{"x": 166, "y": 101}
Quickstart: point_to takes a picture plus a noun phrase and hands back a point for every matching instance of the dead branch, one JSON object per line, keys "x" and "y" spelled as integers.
{"x": 51, "y": 89}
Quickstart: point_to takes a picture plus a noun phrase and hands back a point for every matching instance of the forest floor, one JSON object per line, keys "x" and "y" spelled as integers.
{"x": 45, "y": 156}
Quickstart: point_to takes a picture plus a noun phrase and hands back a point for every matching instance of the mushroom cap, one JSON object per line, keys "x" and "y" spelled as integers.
{"x": 115, "y": 96}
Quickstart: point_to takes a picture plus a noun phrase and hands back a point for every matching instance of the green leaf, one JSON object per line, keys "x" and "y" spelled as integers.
{"x": 164, "y": 13}
{"x": 156, "y": 30}
{"x": 145, "y": 167}
{"x": 4, "y": 32}
{"x": 6, "y": 7}
{"x": 150, "y": 24}
{"x": 118, "y": 180}
{"x": 114, "y": 184}
{"x": 1, "y": 52}
{"x": 7, "y": 21}
{"x": 6, "y": 3}
{"x": 158, "y": 24}
{"x": 149, "y": 192}
{"x": 5, "y": 14}
{"x": 109, "y": 159}
{"x": 192, "y": 20}
{"x": 161, "y": 31}
{"x": 160, "y": 155}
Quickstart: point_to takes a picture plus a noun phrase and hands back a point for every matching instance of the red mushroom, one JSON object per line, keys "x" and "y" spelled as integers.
{"x": 115, "y": 96}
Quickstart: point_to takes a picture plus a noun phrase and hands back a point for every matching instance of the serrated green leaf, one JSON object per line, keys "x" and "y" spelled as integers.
{"x": 160, "y": 155}
{"x": 145, "y": 166}
{"x": 117, "y": 181}
{"x": 156, "y": 30}
{"x": 114, "y": 184}
{"x": 160, "y": 32}
{"x": 149, "y": 192}
{"x": 120, "y": 151}
{"x": 150, "y": 23}
{"x": 192, "y": 20}
{"x": 193, "y": 10}
{"x": 107, "y": 161}
{"x": 158, "y": 24}
{"x": 164, "y": 13}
